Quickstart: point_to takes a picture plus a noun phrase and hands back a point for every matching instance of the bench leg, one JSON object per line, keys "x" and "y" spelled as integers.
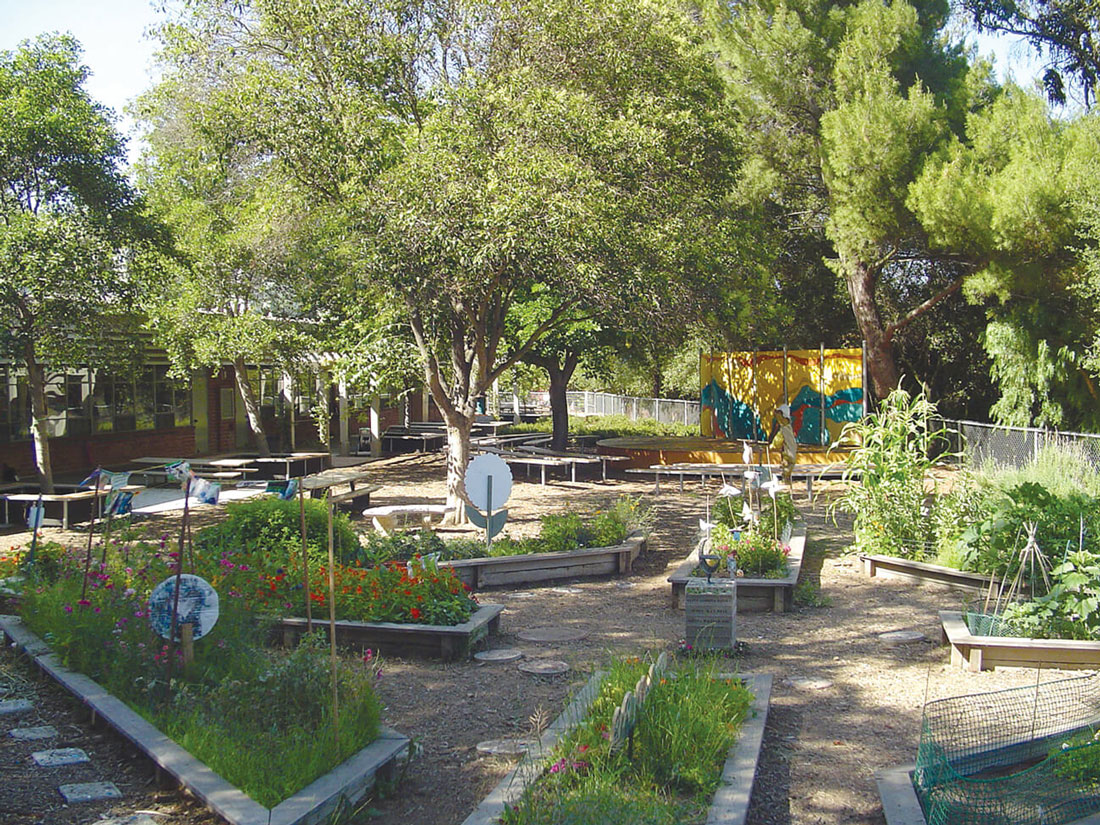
{"x": 384, "y": 524}
{"x": 543, "y": 475}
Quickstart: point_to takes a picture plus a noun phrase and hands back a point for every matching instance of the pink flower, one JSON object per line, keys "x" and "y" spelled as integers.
{"x": 68, "y": 608}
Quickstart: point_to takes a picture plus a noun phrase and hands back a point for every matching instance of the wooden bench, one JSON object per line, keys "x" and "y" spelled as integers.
{"x": 355, "y": 498}
{"x": 384, "y": 518}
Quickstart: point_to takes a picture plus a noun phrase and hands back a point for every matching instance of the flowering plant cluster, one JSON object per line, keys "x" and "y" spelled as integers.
{"x": 237, "y": 702}
{"x": 751, "y": 554}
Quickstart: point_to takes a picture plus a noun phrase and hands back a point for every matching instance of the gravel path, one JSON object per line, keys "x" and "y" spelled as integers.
{"x": 844, "y": 703}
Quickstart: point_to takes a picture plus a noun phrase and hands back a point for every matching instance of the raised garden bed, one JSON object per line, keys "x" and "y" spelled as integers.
{"x": 500, "y": 571}
{"x": 753, "y": 595}
{"x": 348, "y": 782}
{"x": 393, "y": 639}
{"x": 890, "y": 567}
{"x": 730, "y": 805}
{"x": 977, "y": 653}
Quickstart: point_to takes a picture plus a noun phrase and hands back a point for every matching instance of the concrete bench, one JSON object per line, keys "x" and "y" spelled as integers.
{"x": 384, "y": 518}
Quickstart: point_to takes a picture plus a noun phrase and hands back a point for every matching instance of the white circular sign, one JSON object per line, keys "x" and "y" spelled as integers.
{"x": 479, "y": 472}
{"x": 198, "y": 606}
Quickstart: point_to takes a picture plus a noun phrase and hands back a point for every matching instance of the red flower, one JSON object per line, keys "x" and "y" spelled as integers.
{"x": 415, "y": 613}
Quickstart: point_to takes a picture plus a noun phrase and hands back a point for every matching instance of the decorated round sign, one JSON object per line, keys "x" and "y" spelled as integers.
{"x": 198, "y": 606}
{"x": 478, "y": 473}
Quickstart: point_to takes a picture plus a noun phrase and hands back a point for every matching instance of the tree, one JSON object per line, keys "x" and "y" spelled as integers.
{"x": 239, "y": 282}
{"x": 841, "y": 105}
{"x": 1015, "y": 197}
{"x": 1065, "y": 30}
{"x": 490, "y": 154}
{"x": 70, "y": 225}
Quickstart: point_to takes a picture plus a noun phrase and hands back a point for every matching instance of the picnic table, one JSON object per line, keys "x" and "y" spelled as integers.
{"x": 64, "y": 509}
{"x": 358, "y": 494}
{"x": 805, "y": 472}
{"x": 221, "y": 469}
{"x": 575, "y": 458}
{"x": 285, "y": 466}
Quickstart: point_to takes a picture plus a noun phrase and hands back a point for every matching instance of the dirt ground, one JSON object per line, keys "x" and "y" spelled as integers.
{"x": 821, "y": 747}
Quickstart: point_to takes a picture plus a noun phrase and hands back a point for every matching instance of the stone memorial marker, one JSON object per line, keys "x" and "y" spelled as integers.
{"x": 710, "y": 614}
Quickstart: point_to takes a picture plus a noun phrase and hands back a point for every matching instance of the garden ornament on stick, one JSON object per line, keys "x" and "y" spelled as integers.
{"x": 785, "y": 440}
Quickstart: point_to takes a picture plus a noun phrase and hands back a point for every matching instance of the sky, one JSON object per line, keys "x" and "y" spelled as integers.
{"x": 120, "y": 55}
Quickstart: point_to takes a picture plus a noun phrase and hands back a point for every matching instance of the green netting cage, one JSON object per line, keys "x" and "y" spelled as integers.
{"x": 1022, "y": 756}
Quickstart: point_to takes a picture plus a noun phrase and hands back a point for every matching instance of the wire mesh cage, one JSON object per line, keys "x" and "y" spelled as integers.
{"x": 1022, "y": 756}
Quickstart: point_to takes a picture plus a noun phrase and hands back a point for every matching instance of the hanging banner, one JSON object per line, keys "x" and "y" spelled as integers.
{"x": 740, "y": 392}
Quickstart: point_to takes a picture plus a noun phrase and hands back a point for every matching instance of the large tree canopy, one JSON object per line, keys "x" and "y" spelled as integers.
{"x": 69, "y": 224}
{"x": 489, "y": 155}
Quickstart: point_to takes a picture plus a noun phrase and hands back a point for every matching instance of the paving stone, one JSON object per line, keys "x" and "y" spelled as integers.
{"x": 90, "y": 792}
{"x": 40, "y": 732}
{"x": 520, "y": 595}
{"x": 132, "y": 819}
{"x": 808, "y": 683}
{"x": 506, "y": 747}
{"x": 59, "y": 756}
{"x": 569, "y": 591}
{"x": 500, "y": 654}
{"x": 545, "y": 667}
{"x": 10, "y": 706}
{"x": 553, "y": 634}
{"x": 901, "y": 637}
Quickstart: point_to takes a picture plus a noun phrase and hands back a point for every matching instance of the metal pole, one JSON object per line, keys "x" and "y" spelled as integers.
{"x": 756, "y": 396}
{"x": 824, "y": 429}
{"x": 863, "y": 376}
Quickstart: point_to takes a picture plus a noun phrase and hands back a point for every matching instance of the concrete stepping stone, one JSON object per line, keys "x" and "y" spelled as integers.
{"x": 808, "y": 683}
{"x": 10, "y": 706}
{"x": 519, "y": 595}
{"x": 553, "y": 634}
{"x": 90, "y": 792}
{"x": 40, "y": 732}
{"x": 545, "y": 667}
{"x": 896, "y": 638}
{"x": 59, "y": 756}
{"x": 506, "y": 747}
{"x": 500, "y": 654}
{"x": 569, "y": 591}
{"x": 132, "y": 819}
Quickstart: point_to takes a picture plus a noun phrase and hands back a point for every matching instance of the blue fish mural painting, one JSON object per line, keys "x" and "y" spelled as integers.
{"x": 740, "y": 391}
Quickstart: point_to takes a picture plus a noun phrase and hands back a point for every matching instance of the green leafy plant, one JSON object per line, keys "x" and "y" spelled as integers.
{"x": 1070, "y": 610}
{"x": 689, "y": 720}
{"x": 752, "y": 554}
{"x": 273, "y": 527}
{"x": 890, "y": 467}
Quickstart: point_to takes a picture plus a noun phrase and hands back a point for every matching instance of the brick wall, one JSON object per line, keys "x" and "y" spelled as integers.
{"x": 112, "y": 450}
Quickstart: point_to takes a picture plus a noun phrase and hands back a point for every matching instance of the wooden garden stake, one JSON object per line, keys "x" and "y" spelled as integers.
{"x": 332, "y": 620}
{"x": 187, "y": 639}
{"x": 91, "y": 532}
{"x": 305, "y": 555}
{"x": 179, "y": 578}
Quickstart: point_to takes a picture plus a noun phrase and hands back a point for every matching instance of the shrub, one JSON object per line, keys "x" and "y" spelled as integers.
{"x": 610, "y": 426}
{"x": 272, "y": 527}
{"x": 751, "y": 554}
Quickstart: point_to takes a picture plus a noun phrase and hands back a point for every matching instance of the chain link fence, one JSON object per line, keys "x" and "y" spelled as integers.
{"x": 663, "y": 410}
{"x": 1012, "y": 446}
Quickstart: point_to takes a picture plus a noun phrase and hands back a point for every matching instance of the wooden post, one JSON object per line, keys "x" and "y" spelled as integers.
{"x": 305, "y": 554}
{"x": 863, "y": 376}
{"x": 91, "y": 532}
{"x": 332, "y": 623}
{"x": 179, "y": 576}
{"x": 187, "y": 640}
{"x": 376, "y": 426}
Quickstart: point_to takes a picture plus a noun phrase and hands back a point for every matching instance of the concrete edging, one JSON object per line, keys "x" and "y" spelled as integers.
{"x": 753, "y": 595}
{"x": 348, "y": 781}
{"x": 730, "y": 805}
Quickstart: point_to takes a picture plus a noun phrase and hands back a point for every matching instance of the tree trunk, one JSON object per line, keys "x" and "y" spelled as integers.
{"x": 860, "y": 277}
{"x": 251, "y": 408}
{"x": 458, "y": 456}
{"x": 658, "y": 381}
{"x": 36, "y": 383}
{"x": 559, "y": 403}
